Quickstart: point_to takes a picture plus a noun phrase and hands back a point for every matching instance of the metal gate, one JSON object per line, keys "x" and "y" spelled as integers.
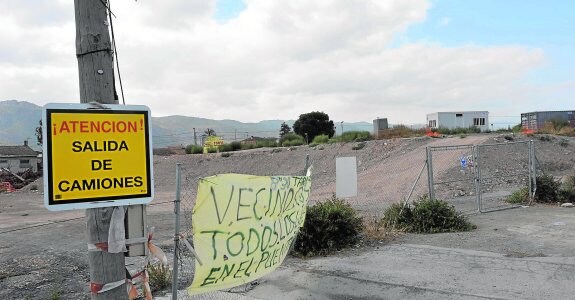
{"x": 480, "y": 178}
{"x": 452, "y": 176}
{"x": 503, "y": 169}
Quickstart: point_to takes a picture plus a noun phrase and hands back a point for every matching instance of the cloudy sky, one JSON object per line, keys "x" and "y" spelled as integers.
{"x": 257, "y": 60}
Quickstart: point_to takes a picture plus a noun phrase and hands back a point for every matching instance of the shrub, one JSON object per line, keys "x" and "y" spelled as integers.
{"x": 268, "y": 142}
{"x": 427, "y": 216}
{"x": 545, "y": 138}
{"x": 518, "y": 197}
{"x": 567, "y": 191}
{"x": 400, "y": 131}
{"x": 292, "y": 139}
{"x": 160, "y": 276}
{"x": 321, "y": 139}
{"x": 191, "y": 149}
{"x": 293, "y": 143}
{"x": 226, "y": 148}
{"x": 397, "y": 216}
{"x": 567, "y": 131}
{"x": 354, "y": 136}
{"x": 226, "y": 154}
{"x": 359, "y": 146}
{"x": 566, "y": 195}
{"x": 547, "y": 189}
{"x": 458, "y": 130}
{"x": 330, "y": 225}
{"x": 433, "y": 216}
{"x": 248, "y": 146}
{"x": 236, "y": 146}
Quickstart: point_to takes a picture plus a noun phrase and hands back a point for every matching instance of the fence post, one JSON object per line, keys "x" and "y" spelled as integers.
{"x": 176, "y": 233}
{"x": 306, "y": 164}
{"x": 430, "y": 173}
{"x": 530, "y": 170}
{"x": 533, "y": 167}
{"x": 478, "y": 178}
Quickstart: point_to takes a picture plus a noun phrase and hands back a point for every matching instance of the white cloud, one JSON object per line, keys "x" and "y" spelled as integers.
{"x": 275, "y": 60}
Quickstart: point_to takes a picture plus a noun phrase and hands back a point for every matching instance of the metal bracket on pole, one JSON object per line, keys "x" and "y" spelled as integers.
{"x": 97, "y": 105}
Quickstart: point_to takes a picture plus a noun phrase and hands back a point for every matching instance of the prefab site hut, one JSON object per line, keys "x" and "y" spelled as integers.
{"x": 459, "y": 119}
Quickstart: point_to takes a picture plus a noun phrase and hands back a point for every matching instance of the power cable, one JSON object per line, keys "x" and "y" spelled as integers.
{"x": 115, "y": 51}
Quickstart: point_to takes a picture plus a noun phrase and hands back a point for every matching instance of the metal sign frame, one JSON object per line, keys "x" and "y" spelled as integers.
{"x": 111, "y": 198}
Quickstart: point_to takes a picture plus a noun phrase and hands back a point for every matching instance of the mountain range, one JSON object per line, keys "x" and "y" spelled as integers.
{"x": 19, "y": 119}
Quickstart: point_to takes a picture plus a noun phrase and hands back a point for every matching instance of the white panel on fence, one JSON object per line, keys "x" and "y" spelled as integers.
{"x": 346, "y": 177}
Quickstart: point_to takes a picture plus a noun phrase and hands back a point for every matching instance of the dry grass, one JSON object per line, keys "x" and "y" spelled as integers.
{"x": 375, "y": 229}
{"x": 400, "y": 131}
{"x": 567, "y": 131}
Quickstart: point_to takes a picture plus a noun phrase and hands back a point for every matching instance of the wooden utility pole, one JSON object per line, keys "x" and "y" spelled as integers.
{"x": 95, "y": 67}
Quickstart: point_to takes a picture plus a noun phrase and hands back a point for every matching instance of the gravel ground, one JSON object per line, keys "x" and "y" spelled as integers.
{"x": 43, "y": 254}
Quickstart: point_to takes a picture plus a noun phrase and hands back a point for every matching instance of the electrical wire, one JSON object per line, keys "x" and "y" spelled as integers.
{"x": 115, "y": 52}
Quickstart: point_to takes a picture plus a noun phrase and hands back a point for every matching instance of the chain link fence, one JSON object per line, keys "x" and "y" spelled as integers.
{"x": 473, "y": 178}
{"x": 188, "y": 174}
{"x": 381, "y": 180}
{"x": 503, "y": 169}
{"x": 480, "y": 178}
{"x": 379, "y": 185}
{"x": 452, "y": 172}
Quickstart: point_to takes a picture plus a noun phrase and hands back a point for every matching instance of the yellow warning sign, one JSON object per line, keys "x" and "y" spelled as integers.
{"x": 97, "y": 156}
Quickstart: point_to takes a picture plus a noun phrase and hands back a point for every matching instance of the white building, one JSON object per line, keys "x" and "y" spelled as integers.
{"x": 459, "y": 119}
{"x": 19, "y": 158}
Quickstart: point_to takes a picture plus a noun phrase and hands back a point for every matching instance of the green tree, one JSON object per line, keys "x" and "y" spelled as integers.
{"x": 284, "y": 129}
{"x": 210, "y": 132}
{"x": 313, "y": 124}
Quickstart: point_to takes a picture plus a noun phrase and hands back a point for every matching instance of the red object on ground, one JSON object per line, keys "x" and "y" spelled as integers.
{"x": 7, "y": 186}
{"x": 528, "y": 131}
{"x": 430, "y": 133}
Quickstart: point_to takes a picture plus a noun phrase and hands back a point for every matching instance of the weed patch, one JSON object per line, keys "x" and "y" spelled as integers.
{"x": 191, "y": 149}
{"x": 160, "y": 276}
{"x": 354, "y": 136}
{"x": 518, "y": 197}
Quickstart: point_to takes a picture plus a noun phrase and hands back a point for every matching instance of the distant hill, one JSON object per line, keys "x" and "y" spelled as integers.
{"x": 18, "y": 120}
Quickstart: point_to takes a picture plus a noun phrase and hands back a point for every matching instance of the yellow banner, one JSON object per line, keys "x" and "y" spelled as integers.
{"x": 243, "y": 227}
{"x": 212, "y": 142}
